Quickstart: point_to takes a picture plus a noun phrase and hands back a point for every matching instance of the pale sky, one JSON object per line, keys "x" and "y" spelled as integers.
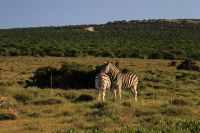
{"x": 34, "y": 13}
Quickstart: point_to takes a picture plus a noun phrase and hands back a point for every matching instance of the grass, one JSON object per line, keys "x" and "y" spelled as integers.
{"x": 49, "y": 101}
{"x": 165, "y": 103}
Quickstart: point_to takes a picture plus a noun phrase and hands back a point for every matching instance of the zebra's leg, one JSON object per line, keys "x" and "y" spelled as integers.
{"x": 99, "y": 95}
{"x": 120, "y": 92}
{"x": 115, "y": 92}
{"x": 104, "y": 94}
{"x": 135, "y": 89}
{"x": 132, "y": 89}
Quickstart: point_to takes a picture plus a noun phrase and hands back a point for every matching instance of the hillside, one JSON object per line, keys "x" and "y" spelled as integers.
{"x": 168, "y": 39}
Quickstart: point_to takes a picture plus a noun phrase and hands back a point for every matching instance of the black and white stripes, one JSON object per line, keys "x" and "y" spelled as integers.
{"x": 102, "y": 83}
{"x": 120, "y": 80}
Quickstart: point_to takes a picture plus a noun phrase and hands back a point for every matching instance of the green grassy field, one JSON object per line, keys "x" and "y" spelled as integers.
{"x": 167, "y": 99}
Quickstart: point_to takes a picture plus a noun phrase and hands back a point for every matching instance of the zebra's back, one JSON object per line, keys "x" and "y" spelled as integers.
{"x": 102, "y": 81}
{"x": 129, "y": 80}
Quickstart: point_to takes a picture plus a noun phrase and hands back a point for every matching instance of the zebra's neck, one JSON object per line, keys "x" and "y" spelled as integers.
{"x": 113, "y": 73}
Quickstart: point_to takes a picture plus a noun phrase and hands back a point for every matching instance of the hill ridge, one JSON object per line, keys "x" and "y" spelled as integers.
{"x": 154, "y": 38}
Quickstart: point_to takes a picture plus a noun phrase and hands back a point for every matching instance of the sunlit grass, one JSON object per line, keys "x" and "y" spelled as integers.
{"x": 161, "y": 97}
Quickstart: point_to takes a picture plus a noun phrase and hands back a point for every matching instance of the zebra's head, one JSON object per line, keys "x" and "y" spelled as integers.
{"x": 109, "y": 67}
{"x": 104, "y": 67}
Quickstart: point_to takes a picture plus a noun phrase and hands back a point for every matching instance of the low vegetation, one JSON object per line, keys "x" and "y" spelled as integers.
{"x": 168, "y": 98}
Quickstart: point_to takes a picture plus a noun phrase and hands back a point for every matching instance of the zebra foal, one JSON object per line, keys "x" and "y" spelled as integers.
{"x": 102, "y": 83}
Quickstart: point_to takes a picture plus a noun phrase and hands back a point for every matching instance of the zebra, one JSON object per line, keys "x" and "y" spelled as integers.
{"x": 120, "y": 80}
{"x": 102, "y": 83}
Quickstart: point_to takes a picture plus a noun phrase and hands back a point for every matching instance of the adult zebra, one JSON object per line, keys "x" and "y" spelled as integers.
{"x": 102, "y": 83}
{"x": 120, "y": 80}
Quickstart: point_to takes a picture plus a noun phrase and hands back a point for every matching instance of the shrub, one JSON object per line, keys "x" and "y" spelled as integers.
{"x": 45, "y": 77}
{"x": 73, "y": 53}
{"x": 108, "y": 53}
{"x": 9, "y": 115}
{"x": 188, "y": 64}
{"x": 70, "y": 75}
{"x": 173, "y": 63}
{"x": 156, "y": 55}
{"x": 14, "y": 52}
{"x": 169, "y": 55}
{"x": 73, "y": 73}
{"x": 4, "y": 52}
{"x": 84, "y": 98}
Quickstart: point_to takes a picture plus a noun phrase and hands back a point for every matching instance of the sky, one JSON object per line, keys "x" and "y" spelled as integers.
{"x": 37, "y": 13}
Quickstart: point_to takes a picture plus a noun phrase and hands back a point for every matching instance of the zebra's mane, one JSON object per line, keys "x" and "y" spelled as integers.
{"x": 114, "y": 66}
{"x": 114, "y": 73}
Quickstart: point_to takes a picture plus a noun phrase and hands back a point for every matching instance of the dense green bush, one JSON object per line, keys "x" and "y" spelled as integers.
{"x": 188, "y": 64}
{"x": 84, "y": 98}
{"x": 77, "y": 76}
{"x": 140, "y": 39}
{"x": 46, "y": 77}
{"x": 69, "y": 75}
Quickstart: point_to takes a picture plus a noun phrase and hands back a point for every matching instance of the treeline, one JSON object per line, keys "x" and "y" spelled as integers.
{"x": 155, "y": 39}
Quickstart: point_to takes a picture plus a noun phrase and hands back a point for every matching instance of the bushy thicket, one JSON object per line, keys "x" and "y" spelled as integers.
{"x": 69, "y": 75}
{"x": 141, "y": 39}
{"x": 188, "y": 64}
